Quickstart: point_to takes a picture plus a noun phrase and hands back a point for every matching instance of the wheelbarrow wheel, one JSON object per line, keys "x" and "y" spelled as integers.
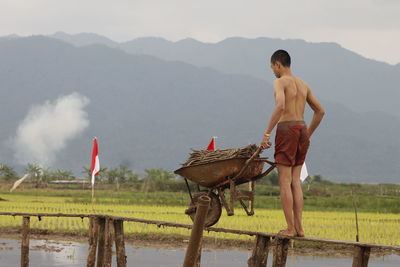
{"x": 214, "y": 211}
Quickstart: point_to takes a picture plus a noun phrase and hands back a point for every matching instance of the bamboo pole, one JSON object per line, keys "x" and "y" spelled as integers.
{"x": 25, "y": 242}
{"x": 120, "y": 243}
{"x": 355, "y": 212}
{"x": 93, "y": 238}
{"x": 194, "y": 248}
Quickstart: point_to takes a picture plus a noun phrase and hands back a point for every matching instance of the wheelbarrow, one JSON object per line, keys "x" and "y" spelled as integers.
{"x": 220, "y": 175}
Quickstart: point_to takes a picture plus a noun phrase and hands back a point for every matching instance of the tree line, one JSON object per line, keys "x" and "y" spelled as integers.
{"x": 151, "y": 180}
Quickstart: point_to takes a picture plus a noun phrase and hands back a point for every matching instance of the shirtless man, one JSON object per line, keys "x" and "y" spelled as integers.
{"x": 292, "y": 137}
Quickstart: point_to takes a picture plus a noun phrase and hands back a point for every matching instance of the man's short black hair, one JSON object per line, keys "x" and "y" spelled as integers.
{"x": 281, "y": 56}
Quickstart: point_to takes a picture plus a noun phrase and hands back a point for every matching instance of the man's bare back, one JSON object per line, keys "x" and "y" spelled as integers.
{"x": 291, "y": 95}
{"x": 295, "y": 91}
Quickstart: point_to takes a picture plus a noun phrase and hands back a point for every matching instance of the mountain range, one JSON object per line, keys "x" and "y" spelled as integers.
{"x": 338, "y": 74}
{"x": 152, "y": 100}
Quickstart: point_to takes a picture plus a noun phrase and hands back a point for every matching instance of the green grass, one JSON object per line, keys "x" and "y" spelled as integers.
{"x": 368, "y": 198}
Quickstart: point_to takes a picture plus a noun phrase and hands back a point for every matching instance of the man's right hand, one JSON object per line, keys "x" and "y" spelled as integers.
{"x": 265, "y": 143}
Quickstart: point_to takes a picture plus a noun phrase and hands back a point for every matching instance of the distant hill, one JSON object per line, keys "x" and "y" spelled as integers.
{"x": 338, "y": 74}
{"x": 148, "y": 112}
{"x": 83, "y": 39}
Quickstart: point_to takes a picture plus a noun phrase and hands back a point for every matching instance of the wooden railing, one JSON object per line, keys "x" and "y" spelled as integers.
{"x": 101, "y": 228}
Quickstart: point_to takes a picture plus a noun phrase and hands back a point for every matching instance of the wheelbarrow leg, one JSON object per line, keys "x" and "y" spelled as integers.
{"x": 223, "y": 201}
{"x": 251, "y": 187}
{"x": 189, "y": 191}
{"x": 250, "y": 197}
{"x": 232, "y": 189}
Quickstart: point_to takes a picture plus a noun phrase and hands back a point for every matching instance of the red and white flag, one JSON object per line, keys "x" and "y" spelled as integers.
{"x": 211, "y": 145}
{"x": 95, "y": 168}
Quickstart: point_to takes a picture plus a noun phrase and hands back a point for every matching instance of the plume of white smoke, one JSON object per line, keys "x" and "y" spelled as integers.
{"x": 47, "y": 128}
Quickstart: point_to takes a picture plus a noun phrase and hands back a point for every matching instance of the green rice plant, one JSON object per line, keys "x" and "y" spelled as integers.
{"x": 381, "y": 228}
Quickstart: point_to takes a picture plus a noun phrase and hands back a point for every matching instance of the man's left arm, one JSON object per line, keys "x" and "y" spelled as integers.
{"x": 276, "y": 114}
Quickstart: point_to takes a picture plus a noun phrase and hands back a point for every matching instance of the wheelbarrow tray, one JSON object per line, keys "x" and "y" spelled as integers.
{"x": 213, "y": 173}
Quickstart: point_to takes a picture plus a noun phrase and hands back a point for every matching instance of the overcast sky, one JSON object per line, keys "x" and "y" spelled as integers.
{"x": 368, "y": 27}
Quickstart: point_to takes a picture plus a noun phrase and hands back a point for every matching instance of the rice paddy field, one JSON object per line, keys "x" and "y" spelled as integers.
{"x": 382, "y": 228}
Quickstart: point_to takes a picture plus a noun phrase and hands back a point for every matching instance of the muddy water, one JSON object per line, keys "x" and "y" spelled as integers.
{"x": 47, "y": 253}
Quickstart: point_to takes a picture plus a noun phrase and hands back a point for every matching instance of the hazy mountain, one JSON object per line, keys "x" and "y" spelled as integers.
{"x": 10, "y": 36}
{"x": 339, "y": 75}
{"x": 83, "y": 39}
{"x": 148, "y": 113}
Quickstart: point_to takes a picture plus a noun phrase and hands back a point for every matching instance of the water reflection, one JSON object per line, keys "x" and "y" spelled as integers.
{"x": 48, "y": 253}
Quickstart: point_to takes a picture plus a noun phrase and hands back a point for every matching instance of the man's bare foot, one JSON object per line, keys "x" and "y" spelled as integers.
{"x": 300, "y": 233}
{"x": 287, "y": 232}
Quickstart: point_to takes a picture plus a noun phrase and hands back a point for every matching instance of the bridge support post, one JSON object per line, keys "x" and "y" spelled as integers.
{"x": 25, "y": 242}
{"x": 93, "y": 238}
{"x": 104, "y": 244}
{"x": 361, "y": 256}
{"x": 260, "y": 252}
{"x": 193, "y": 251}
{"x": 108, "y": 242}
{"x": 280, "y": 252}
{"x": 120, "y": 243}
{"x": 100, "y": 249}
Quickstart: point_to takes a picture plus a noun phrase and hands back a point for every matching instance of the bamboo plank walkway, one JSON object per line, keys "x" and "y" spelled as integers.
{"x": 100, "y": 239}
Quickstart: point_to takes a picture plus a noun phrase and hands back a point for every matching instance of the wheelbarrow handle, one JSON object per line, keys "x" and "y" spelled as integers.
{"x": 256, "y": 153}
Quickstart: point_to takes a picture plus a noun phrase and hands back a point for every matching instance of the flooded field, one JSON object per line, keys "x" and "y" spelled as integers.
{"x": 49, "y": 253}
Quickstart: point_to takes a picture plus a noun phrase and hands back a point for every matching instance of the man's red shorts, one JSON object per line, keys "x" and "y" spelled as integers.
{"x": 291, "y": 143}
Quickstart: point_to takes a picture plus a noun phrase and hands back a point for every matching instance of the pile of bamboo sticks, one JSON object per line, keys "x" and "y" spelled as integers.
{"x": 208, "y": 156}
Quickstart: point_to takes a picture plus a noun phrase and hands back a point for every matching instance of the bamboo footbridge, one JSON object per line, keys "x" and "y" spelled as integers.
{"x": 104, "y": 228}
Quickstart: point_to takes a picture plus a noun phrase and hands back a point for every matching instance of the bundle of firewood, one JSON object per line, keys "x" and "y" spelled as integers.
{"x": 207, "y": 156}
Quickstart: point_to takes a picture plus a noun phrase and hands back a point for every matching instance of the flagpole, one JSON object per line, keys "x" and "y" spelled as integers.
{"x": 92, "y": 182}
{"x": 92, "y": 192}
{"x": 95, "y": 167}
